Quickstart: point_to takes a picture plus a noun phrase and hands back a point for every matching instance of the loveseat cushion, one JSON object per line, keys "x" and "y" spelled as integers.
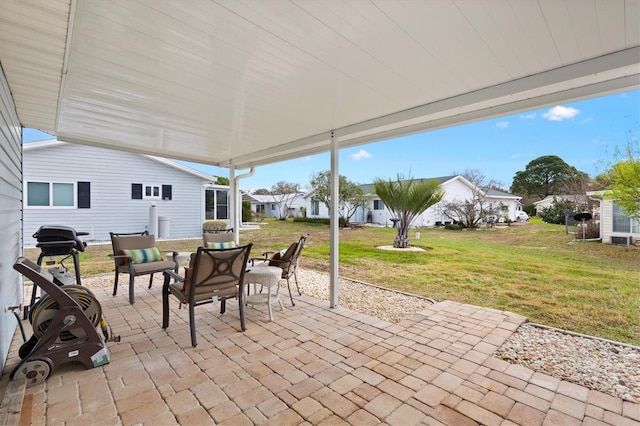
{"x": 145, "y": 255}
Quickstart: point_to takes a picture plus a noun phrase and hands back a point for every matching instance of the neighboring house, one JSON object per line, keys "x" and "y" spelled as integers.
{"x": 97, "y": 190}
{"x": 578, "y": 200}
{"x": 270, "y": 205}
{"x": 616, "y": 227}
{"x": 454, "y": 188}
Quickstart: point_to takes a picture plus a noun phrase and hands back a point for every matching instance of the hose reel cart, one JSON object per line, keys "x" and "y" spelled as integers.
{"x": 64, "y": 323}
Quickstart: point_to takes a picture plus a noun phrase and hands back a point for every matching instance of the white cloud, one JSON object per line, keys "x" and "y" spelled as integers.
{"x": 362, "y": 154}
{"x": 559, "y": 113}
{"x": 528, "y": 116}
{"x": 502, "y": 124}
{"x": 514, "y": 156}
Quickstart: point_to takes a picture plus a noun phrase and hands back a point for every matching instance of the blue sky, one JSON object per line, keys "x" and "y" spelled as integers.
{"x": 584, "y": 134}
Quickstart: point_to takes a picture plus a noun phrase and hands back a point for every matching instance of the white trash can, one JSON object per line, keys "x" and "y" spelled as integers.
{"x": 164, "y": 226}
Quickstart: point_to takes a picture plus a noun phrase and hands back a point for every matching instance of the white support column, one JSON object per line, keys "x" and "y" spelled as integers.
{"x": 233, "y": 207}
{"x": 334, "y": 225}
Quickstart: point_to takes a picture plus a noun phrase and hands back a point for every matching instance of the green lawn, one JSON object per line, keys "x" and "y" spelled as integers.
{"x": 534, "y": 269}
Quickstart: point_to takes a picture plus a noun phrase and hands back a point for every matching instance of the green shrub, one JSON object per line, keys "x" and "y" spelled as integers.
{"x": 214, "y": 225}
{"x": 324, "y": 221}
{"x": 453, "y": 227}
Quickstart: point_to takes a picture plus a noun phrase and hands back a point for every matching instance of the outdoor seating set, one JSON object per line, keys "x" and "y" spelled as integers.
{"x": 217, "y": 271}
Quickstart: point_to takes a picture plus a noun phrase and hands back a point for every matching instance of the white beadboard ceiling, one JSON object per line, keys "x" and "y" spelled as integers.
{"x": 244, "y": 83}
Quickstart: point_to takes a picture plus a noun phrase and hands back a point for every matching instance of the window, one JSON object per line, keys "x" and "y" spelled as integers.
{"x": 378, "y": 205}
{"x": 151, "y": 191}
{"x": 315, "y": 208}
{"x": 622, "y": 222}
{"x": 222, "y": 204}
{"x": 259, "y": 208}
{"x": 273, "y": 207}
{"x": 141, "y": 191}
{"x": 51, "y": 194}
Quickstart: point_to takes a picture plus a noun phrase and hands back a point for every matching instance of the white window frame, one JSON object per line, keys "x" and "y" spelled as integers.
{"x": 50, "y": 206}
{"x": 378, "y": 205}
{"x": 151, "y": 197}
{"x": 634, "y": 225}
{"x": 315, "y": 208}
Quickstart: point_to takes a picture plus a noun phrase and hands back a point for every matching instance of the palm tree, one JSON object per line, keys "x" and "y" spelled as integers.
{"x": 406, "y": 200}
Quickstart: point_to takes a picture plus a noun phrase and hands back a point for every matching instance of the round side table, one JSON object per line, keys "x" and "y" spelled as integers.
{"x": 266, "y": 276}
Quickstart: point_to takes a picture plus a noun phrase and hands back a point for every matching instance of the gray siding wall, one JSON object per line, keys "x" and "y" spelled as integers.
{"x": 11, "y": 291}
{"x": 111, "y": 174}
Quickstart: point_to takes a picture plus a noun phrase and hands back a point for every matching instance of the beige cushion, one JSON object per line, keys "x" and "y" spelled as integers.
{"x": 217, "y": 238}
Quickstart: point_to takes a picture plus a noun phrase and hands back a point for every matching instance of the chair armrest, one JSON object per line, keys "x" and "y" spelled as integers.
{"x": 173, "y": 275}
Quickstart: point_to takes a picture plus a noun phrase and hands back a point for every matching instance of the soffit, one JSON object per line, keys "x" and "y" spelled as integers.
{"x": 249, "y": 83}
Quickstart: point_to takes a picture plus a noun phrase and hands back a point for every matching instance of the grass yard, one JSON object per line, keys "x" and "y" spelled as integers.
{"x": 533, "y": 269}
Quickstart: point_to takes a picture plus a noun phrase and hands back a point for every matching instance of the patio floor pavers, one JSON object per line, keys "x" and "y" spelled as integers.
{"x": 312, "y": 365}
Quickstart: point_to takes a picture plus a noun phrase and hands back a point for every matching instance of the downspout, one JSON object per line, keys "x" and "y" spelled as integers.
{"x": 236, "y": 191}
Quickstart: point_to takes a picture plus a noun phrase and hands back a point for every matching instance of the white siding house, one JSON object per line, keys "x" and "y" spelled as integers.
{"x": 454, "y": 187}
{"x": 98, "y": 191}
{"x": 615, "y": 226}
{"x": 270, "y": 205}
{"x": 10, "y": 214}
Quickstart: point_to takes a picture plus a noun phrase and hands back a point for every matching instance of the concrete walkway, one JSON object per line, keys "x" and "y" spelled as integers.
{"x": 312, "y": 365}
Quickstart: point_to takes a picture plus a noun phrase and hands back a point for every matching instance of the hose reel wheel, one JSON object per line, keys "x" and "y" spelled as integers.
{"x": 34, "y": 371}
{"x": 47, "y": 308}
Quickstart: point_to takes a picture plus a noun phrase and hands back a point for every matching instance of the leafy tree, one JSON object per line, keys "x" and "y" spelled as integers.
{"x": 221, "y": 180}
{"x": 407, "y": 199}
{"x": 546, "y": 175}
{"x": 625, "y": 180}
{"x": 284, "y": 193}
{"x": 555, "y": 212}
{"x": 350, "y": 195}
{"x": 262, "y": 191}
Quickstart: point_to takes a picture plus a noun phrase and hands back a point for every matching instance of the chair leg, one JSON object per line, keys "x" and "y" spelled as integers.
{"x": 115, "y": 284}
{"x": 241, "y": 308}
{"x": 165, "y": 302}
{"x": 295, "y": 274}
{"x": 132, "y": 299}
{"x": 192, "y": 325}
{"x": 150, "y": 281}
{"x": 290, "y": 295}
{"x": 223, "y": 305}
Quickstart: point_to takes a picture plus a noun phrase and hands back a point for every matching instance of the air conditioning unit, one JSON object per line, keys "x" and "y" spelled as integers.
{"x": 621, "y": 240}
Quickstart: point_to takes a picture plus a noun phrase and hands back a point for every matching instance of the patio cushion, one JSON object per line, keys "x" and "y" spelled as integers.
{"x": 221, "y": 245}
{"x": 145, "y": 255}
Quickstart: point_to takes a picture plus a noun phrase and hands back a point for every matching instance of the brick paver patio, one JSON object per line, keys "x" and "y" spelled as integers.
{"x": 312, "y": 365}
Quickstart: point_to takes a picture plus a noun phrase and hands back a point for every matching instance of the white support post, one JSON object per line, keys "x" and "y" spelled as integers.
{"x": 334, "y": 225}
{"x": 233, "y": 207}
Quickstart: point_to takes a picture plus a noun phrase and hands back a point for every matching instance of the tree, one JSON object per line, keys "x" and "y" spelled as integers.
{"x": 262, "y": 191}
{"x": 284, "y": 193}
{"x": 406, "y": 200}
{"x": 625, "y": 180}
{"x": 350, "y": 195}
{"x": 546, "y": 175}
{"x": 555, "y": 213}
{"x": 469, "y": 211}
{"x": 221, "y": 180}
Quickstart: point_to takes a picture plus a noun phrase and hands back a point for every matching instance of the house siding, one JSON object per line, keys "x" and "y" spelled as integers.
{"x": 112, "y": 209}
{"x": 11, "y": 290}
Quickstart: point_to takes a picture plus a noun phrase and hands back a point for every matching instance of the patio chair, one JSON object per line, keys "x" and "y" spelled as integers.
{"x": 212, "y": 275}
{"x": 288, "y": 261}
{"x": 219, "y": 240}
{"x": 136, "y": 254}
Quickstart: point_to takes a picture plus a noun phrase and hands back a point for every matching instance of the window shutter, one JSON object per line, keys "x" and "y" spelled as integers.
{"x": 166, "y": 192}
{"x": 136, "y": 191}
{"x": 84, "y": 195}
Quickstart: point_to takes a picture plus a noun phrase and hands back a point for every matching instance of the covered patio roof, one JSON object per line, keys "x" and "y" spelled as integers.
{"x": 240, "y": 84}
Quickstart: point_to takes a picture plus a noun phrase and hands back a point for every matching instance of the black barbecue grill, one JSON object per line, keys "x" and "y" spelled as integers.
{"x": 55, "y": 241}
